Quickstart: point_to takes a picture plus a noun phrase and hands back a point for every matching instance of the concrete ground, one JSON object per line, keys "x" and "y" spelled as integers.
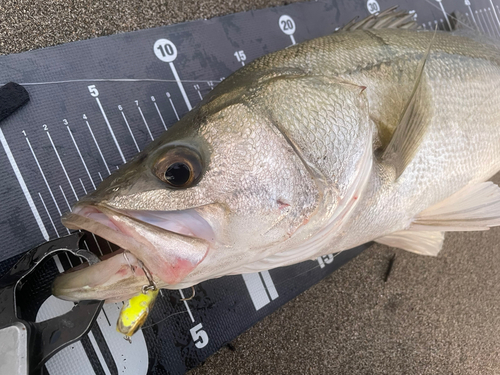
{"x": 432, "y": 316}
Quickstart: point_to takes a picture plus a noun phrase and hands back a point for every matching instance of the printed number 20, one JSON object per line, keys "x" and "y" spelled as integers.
{"x": 200, "y": 337}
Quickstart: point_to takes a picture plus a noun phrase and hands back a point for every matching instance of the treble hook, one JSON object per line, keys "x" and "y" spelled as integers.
{"x": 152, "y": 284}
{"x": 192, "y": 296}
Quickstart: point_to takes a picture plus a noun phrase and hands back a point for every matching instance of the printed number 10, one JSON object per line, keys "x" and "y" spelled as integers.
{"x": 166, "y": 49}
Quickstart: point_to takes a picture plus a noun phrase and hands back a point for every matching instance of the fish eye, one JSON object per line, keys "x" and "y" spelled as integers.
{"x": 179, "y": 167}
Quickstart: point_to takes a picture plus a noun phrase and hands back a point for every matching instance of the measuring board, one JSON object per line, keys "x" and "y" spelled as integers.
{"x": 94, "y": 105}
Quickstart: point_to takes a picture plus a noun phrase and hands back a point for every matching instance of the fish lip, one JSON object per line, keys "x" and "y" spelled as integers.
{"x": 97, "y": 214}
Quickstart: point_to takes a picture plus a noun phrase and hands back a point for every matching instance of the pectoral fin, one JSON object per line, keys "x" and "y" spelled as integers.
{"x": 424, "y": 243}
{"x": 413, "y": 124}
{"x": 475, "y": 207}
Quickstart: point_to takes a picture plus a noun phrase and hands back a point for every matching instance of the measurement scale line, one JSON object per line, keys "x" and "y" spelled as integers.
{"x": 62, "y": 165}
{"x": 110, "y": 248}
{"x": 130, "y": 131}
{"x": 479, "y": 21}
{"x": 495, "y": 12}
{"x": 488, "y": 21}
{"x": 473, "y": 19}
{"x": 48, "y": 214}
{"x": 69, "y": 207}
{"x": 445, "y": 14}
{"x": 145, "y": 123}
{"x": 44, "y": 178}
{"x": 70, "y": 210}
{"x": 187, "y": 306}
{"x": 159, "y": 114}
{"x": 98, "y": 149}
{"x": 24, "y": 188}
{"x": 112, "y": 80}
{"x": 81, "y": 158}
{"x": 65, "y": 199}
{"x": 98, "y": 353}
{"x": 173, "y": 107}
{"x": 492, "y": 21}
{"x": 110, "y": 129}
{"x": 472, "y": 15}
{"x": 199, "y": 94}
{"x": 485, "y": 23}
{"x": 93, "y": 235}
{"x": 179, "y": 83}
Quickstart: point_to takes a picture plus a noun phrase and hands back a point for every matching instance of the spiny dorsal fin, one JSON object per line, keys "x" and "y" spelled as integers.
{"x": 425, "y": 243}
{"x": 412, "y": 125}
{"x": 475, "y": 207}
{"x": 388, "y": 19}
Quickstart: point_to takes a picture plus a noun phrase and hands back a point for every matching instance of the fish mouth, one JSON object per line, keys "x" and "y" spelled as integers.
{"x": 185, "y": 222}
{"x": 168, "y": 245}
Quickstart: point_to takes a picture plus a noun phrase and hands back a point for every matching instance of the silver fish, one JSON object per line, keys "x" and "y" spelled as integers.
{"x": 376, "y": 132}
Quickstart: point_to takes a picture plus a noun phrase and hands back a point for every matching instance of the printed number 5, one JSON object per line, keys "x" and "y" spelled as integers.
{"x": 93, "y": 91}
{"x": 200, "y": 337}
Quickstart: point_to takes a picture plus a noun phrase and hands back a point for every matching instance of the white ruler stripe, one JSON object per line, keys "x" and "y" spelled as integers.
{"x": 98, "y": 353}
{"x": 181, "y": 87}
{"x": 24, "y": 188}
{"x": 273, "y": 293}
{"x": 256, "y": 290}
{"x": 111, "y": 130}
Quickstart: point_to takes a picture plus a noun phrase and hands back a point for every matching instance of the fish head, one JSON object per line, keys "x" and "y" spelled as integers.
{"x": 221, "y": 188}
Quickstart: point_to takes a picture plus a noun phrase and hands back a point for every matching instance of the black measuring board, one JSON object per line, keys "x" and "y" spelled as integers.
{"x": 96, "y": 103}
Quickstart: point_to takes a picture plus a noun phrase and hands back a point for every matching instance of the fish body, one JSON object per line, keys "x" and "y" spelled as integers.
{"x": 377, "y": 134}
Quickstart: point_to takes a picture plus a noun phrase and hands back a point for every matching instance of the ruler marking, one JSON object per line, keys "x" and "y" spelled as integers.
{"x": 62, "y": 165}
{"x": 81, "y": 158}
{"x": 98, "y": 149}
{"x": 479, "y": 22}
{"x": 187, "y": 306}
{"x": 181, "y": 87}
{"x": 45, "y": 180}
{"x": 130, "y": 131}
{"x": 485, "y": 23}
{"x": 257, "y": 290}
{"x": 48, "y": 214}
{"x": 492, "y": 21}
{"x": 173, "y": 107}
{"x": 495, "y": 12}
{"x": 145, "y": 123}
{"x": 159, "y": 114}
{"x": 97, "y": 351}
{"x": 110, "y": 130}
{"x": 24, "y": 188}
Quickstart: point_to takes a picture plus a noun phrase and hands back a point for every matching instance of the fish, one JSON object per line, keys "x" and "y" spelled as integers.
{"x": 378, "y": 132}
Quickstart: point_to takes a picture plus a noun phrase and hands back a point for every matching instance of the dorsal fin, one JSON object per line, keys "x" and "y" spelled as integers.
{"x": 388, "y": 19}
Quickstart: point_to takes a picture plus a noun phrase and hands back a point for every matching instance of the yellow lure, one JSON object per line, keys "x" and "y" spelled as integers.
{"x": 135, "y": 311}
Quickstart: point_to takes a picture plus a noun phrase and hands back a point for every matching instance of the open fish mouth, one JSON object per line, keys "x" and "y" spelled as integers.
{"x": 169, "y": 244}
